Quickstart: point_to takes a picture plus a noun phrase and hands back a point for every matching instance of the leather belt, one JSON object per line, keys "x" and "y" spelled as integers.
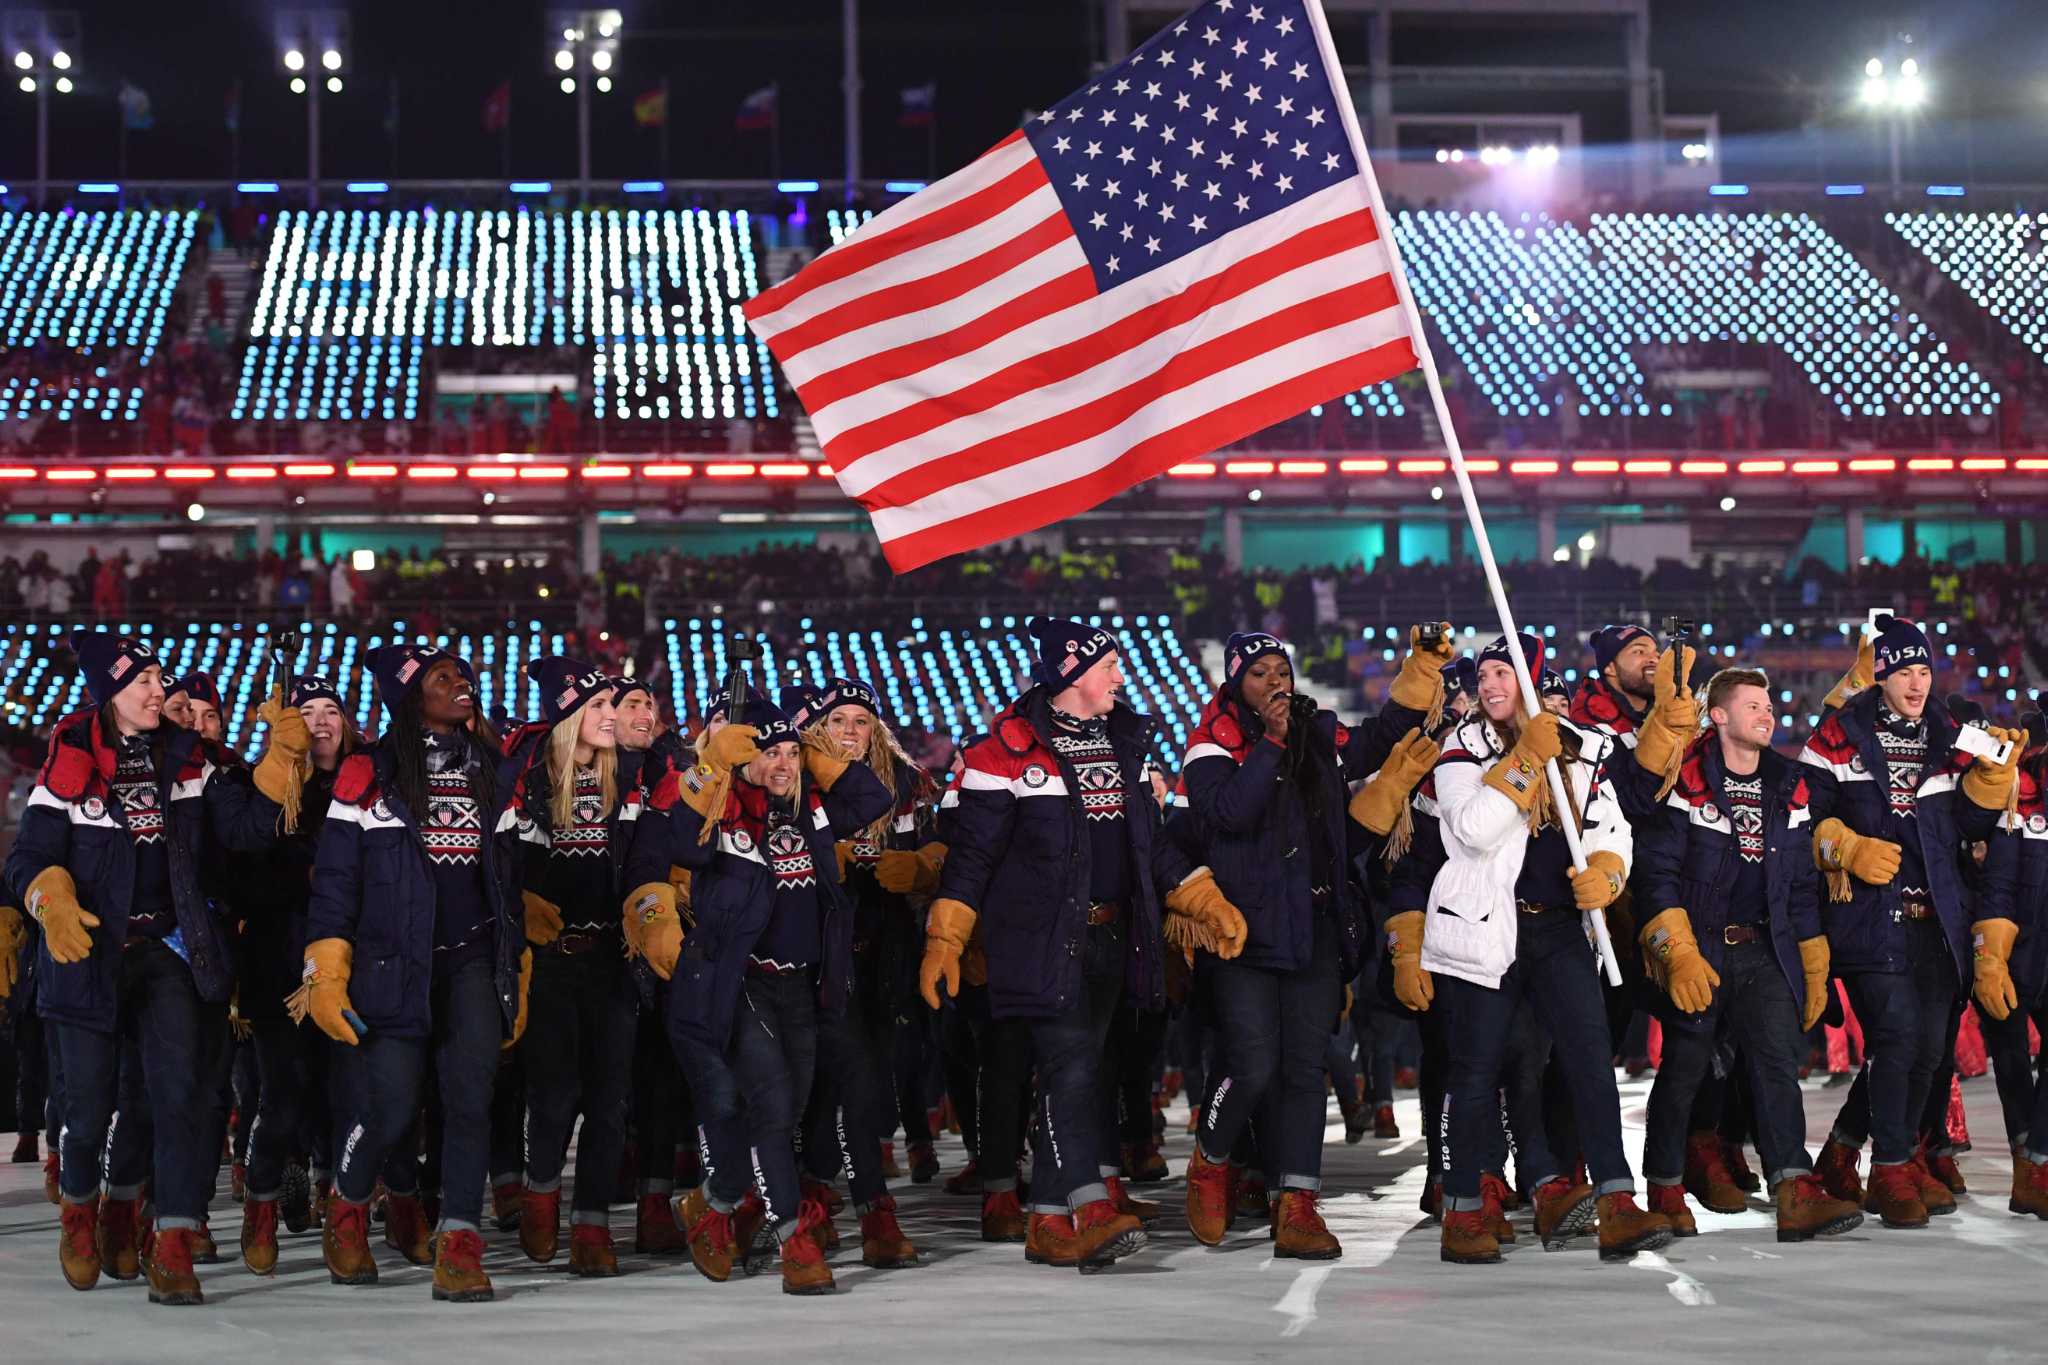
{"x": 1915, "y": 910}
{"x": 1105, "y": 912}
{"x": 574, "y": 945}
{"x": 1532, "y": 908}
{"x": 1745, "y": 933}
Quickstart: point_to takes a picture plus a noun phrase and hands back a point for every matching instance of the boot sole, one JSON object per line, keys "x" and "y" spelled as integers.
{"x": 1577, "y": 1220}
{"x": 295, "y": 1200}
{"x": 1942, "y": 1211}
{"x": 593, "y": 1272}
{"x": 177, "y": 1300}
{"x": 254, "y": 1269}
{"x": 988, "y": 1236}
{"x": 2015, "y": 1206}
{"x": 811, "y": 1290}
{"x": 1901, "y": 1223}
{"x": 463, "y": 1295}
{"x": 1846, "y": 1223}
{"x": 1453, "y": 1258}
{"x": 81, "y": 1288}
{"x": 1650, "y": 1241}
{"x": 705, "y": 1271}
{"x": 761, "y": 1252}
{"x": 335, "y": 1277}
{"x": 889, "y": 1262}
{"x": 1279, "y": 1254}
{"x": 1114, "y": 1250}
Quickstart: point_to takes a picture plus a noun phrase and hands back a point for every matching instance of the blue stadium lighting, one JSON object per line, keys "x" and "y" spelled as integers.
{"x": 98, "y": 187}
{"x": 531, "y": 186}
{"x": 643, "y": 187}
{"x": 256, "y": 187}
{"x": 797, "y": 186}
{"x": 1945, "y": 191}
{"x": 1728, "y": 191}
{"x": 903, "y": 186}
{"x": 1842, "y": 191}
{"x": 368, "y": 187}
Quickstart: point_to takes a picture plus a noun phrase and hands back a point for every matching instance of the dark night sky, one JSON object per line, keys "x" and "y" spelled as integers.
{"x": 1769, "y": 67}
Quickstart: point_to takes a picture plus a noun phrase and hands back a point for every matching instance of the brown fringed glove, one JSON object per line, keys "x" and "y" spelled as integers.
{"x": 1813, "y": 963}
{"x": 1412, "y": 985}
{"x": 1519, "y": 776}
{"x": 53, "y": 899}
{"x": 287, "y": 759}
{"x": 1674, "y": 716}
{"x": 525, "y": 987}
{"x": 323, "y": 989}
{"x": 823, "y": 758}
{"x": 1861, "y": 674}
{"x": 1419, "y": 685}
{"x": 1672, "y": 955}
{"x": 13, "y": 934}
{"x": 1380, "y": 802}
{"x": 1600, "y": 883}
{"x": 1840, "y": 853}
{"x": 1990, "y": 786}
{"x": 1993, "y": 986}
{"x": 543, "y": 919}
{"x": 1208, "y": 919}
{"x": 947, "y": 928}
{"x": 652, "y": 928}
{"x": 911, "y": 873}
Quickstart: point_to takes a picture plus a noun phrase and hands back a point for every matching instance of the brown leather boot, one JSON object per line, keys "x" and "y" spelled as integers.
{"x": 803, "y": 1266}
{"x": 1935, "y": 1194}
{"x": 120, "y": 1237}
{"x": 966, "y": 1180}
{"x": 1141, "y": 1209}
{"x": 1746, "y": 1180}
{"x": 1105, "y": 1234}
{"x": 459, "y": 1268}
{"x": 505, "y": 1197}
{"x": 540, "y": 1223}
{"x": 1003, "y": 1218}
{"x": 1626, "y": 1229}
{"x": 406, "y": 1229}
{"x": 1466, "y": 1240}
{"x": 1669, "y": 1201}
{"x": 1250, "y": 1200}
{"x": 924, "y": 1163}
{"x": 78, "y": 1247}
{"x": 345, "y": 1243}
{"x": 1432, "y": 1201}
{"x": 1493, "y": 1203}
{"x": 1563, "y": 1211}
{"x": 259, "y": 1236}
{"x": 1707, "y": 1177}
{"x": 1837, "y": 1171}
{"x": 1143, "y": 1162}
{"x": 1050, "y": 1240}
{"x": 1806, "y": 1211}
{"x": 1384, "y": 1124}
{"x": 1945, "y": 1169}
{"x": 590, "y": 1251}
{"x": 169, "y": 1263}
{"x": 1894, "y": 1196}
{"x": 824, "y": 1232}
{"x": 882, "y": 1243}
{"x": 51, "y": 1190}
{"x": 654, "y": 1228}
{"x": 1299, "y": 1231}
{"x": 890, "y": 1170}
{"x": 204, "y": 1252}
{"x": 2029, "y": 1187}
{"x": 1208, "y": 1198}
{"x": 709, "y": 1234}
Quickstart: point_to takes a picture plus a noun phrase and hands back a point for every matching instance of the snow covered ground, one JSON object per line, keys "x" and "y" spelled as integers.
{"x": 1969, "y": 1288}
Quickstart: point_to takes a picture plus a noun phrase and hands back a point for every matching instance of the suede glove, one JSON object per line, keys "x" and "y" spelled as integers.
{"x": 1215, "y": 920}
{"x": 323, "y": 989}
{"x": 1674, "y": 717}
{"x": 823, "y": 759}
{"x": 1994, "y": 988}
{"x": 1420, "y": 685}
{"x": 1861, "y": 674}
{"x": 1989, "y": 785}
{"x": 1379, "y": 802}
{"x": 1519, "y": 776}
{"x": 1674, "y": 954}
{"x": 53, "y": 899}
{"x": 286, "y": 763}
{"x": 1837, "y": 849}
{"x": 543, "y": 920}
{"x": 1600, "y": 884}
{"x": 525, "y": 988}
{"x": 908, "y": 873}
{"x": 651, "y": 927}
{"x": 1412, "y": 985}
{"x": 1813, "y": 961}
{"x": 13, "y": 934}
{"x": 947, "y": 928}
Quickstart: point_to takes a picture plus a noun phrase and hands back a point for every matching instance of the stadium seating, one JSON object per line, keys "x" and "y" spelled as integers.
{"x": 349, "y": 301}
{"x": 946, "y": 680}
{"x": 1995, "y": 258}
{"x": 87, "y": 284}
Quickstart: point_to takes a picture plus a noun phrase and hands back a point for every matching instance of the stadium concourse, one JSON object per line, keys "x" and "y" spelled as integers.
{"x": 1868, "y": 1297}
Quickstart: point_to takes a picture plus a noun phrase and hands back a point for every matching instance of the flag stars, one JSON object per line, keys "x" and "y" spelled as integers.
{"x": 1140, "y": 122}
{"x": 1122, "y": 85}
{"x": 1166, "y": 134}
{"x": 1198, "y": 224}
{"x": 1060, "y": 144}
{"x": 1300, "y": 150}
{"x": 1269, "y": 59}
{"x": 1074, "y": 114}
{"x": 1112, "y": 188}
{"x": 1197, "y": 68}
{"x": 1243, "y": 203}
{"x": 1144, "y": 198}
{"x": 1211, "y": 36}
{"x": 1330, "y": 162}
{"x": 1270, "y": 138}
{"x": 1299, "y": 71}
{"x": 1108, "y": 117}
{"x": 1154, "y": 166}
{"x": 1256, "y": 13}
{"x": 1195, "y": 147}
{"x": 1165, "y": 57}
{"x": 1111, "y": 265}
{"x": 1255, "y": 171}
{"x": 1124, "y": 232}
{"x": 1125, "y": 155}
{"x": 1286, "y": 105}
{"x": 1092, "y": 150}
{"x": 1238, "y": 127}
{"x": 1251, "y": 94}
{"x": 1180, "y": 180}
{"x": 1225, "y": 160}
{"x": 1286, "y": 25}
{"x": 1223, "y": 80}
{"x": 1211, "y": 190}
{"x": 1166, "y": 213}
{"x": 1080, "y": 182}
{"x": 1152, "y": 92}
{"x": 1239, "y": 48}
{"x": 1209, "y": 114}
{"x": 1098, "y": 220}
{"x": 1152, "y": 245}
{"x": 1181, "y": 101}
{"x": 1284, "y": 184}
{"x": 1315, "y": 118}
{"x": 1045, "y": 116}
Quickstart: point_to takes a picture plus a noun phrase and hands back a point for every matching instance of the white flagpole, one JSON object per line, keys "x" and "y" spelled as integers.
{"x": 1596, "y": 921}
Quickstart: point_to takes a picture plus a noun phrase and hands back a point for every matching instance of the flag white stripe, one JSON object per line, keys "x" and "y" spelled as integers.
{"x": 884, "y": 332}
{"x": 1214, "y": 392}
{"x": 1083, "y": 319}
{"x": 1112, "y": 375}
{"x": 975, "y": 176}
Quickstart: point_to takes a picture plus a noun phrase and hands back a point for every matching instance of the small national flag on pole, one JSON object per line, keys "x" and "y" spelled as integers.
{"x": 920, "y": 103}
{"x": 650, "y": 107}
{"x": 1173, "y": 257}
{"x": 758, "y": 109}
{"x": 498, "y": 108}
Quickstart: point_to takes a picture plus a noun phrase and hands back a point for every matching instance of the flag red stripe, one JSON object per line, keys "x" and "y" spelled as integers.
{"x": 858, "y": 253}
{"x": 880, "y": 305}
{"x": 1151, "y": 457}
{"x": 1359, "y": 299}
{"x": 1086, "y": 352}
{"x": 858, "y": 376}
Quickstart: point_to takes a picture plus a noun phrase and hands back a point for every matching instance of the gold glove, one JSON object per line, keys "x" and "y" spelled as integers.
{"x": 1420, "y": 682}
{"x": 1379, "y": 802}
{"x": 1519, "y": 776}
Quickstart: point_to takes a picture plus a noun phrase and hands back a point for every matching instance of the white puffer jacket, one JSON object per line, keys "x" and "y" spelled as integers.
{"x": 1472, "y": 924}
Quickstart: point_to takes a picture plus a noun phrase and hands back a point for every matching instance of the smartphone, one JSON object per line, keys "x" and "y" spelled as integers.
{"x": 1978, "y": 743}
{"x": 1870, "y": 620}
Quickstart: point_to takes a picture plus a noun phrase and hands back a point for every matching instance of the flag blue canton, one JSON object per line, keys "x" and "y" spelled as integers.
{"x": 1223, "y": 117}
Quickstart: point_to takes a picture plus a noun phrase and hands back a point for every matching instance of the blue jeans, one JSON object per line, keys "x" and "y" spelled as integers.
{"x": 1554, "y": 972}
{"x": 661, "y": 1100}
{"x": 851, "y": 1095}
{"x": 748, "y": 1094}
{"x": 2022, "y": 1100}
{"x": 382, "y": 1077}
{"x": 1070, "y": 1140}
{"x": 1276, "y": 1028}
{"x": 1905, "y": 1017}
{"x": 576, "y": 1051}
{"x": 1754, "y": 1005}
{"x": 292, "y": 1116}
{"x": 157, "y": 1024}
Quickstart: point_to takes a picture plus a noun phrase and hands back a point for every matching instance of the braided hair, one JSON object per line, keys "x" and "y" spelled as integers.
{"x": 407, "y": 737}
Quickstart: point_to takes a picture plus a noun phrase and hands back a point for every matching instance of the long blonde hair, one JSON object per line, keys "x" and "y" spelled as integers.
{"x": 886, "y": 760}
{"x": 562, "y": 771}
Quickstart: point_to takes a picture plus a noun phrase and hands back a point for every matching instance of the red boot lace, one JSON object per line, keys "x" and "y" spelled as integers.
{"x": 1298, "y": 1210}
{"x": 714, "y": 1225}
{"x": 880, "y": 1220}
{"x": 800, "y": 1248}
{"x": 173, "y": 1251}
{"x": 78, "y": 1222}
{"x": 261, "y": 1216}
{"x": 351, "y": 1224}
{"x": 1001, "y": 1204}
{"x": 462, "y": 1250}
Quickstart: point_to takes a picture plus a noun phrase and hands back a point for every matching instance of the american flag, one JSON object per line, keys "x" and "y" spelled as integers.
{"x": 1171, "y": 258}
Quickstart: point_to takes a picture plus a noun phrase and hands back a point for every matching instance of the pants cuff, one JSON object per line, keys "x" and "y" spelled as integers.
{"x": 1663, "y": 1179}
{"x": 265, "y": 1196}
{"x": 1849, "y": 1140}
{"x": 1777, "y": 1178}
{"x": 1621, "y": 1184}
{"x": 458, "y": 1225}
{"x": 1000, "y": 1186}
{"x": 657, "y": 1187}
{"x": 1050, "y": 1210}
{"x": 590, "y": 1217}
{"x": 166, "y": 1223}
{"x": 1902, "y": 1161}
{"x": 1087, "y": 1194}
{"x": 786, "y": 1229}
{"x": 124, "y": 1191}
{"x": 543, "y": 1186}
{"x": 2039, "y": 1158}
{"x": 508, "y": 1178}
{"x": 718, "y": 1205}
{"x": 1463, "y": 1203}
{"x": 1306, "y": 1184}
{"x": 318, "y": 1173}
{"x": 1109, "y": 1172}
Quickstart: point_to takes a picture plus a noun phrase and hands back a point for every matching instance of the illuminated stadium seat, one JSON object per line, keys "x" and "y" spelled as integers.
{"x": 1997, "y": 259}
{"x": 350, "y": 300}
{"x": 86, "y": 283}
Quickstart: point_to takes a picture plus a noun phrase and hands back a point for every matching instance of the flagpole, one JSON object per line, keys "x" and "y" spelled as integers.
{"x": 1595, "y": 920}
